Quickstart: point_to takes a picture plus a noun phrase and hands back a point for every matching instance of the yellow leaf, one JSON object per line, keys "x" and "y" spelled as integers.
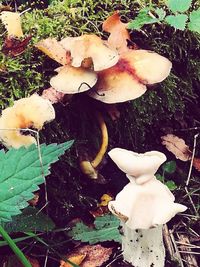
{"x": 12, "y": 22}
{"x": 77, "y": 259}
{"x": 105, "y": 199}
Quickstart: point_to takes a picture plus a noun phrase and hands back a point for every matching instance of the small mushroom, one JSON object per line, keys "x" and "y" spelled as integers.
{"x": 90, "y": 46}
{"x": 70, "y": 80}
{"x": 127, "y": 80}
{"x": 143, "y": 206}
{"x": 12, "y": 22}
{"x": 27, "y": 112}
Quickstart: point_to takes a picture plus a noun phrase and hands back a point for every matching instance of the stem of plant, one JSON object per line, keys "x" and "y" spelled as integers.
{"x": 14, "y": 248}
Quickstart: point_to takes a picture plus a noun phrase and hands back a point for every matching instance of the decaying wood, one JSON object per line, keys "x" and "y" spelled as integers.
{"x": 185, "y": 248}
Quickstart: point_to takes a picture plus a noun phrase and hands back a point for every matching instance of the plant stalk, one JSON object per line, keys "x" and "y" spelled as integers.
{"x": 15, "y": 248}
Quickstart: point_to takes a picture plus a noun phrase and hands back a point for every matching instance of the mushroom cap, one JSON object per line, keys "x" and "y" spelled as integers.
{"x": 27, "y": 112}
{"x": 12, "y": 22}
{"x": 52, "y": 48}
{"x": 90, "y": 46}
{"x": 149, "y": 66}
{"x": 140, "y": 166}
{"x": 117, "y": 85}
{"x": 145, "y": 205}
{"x": 70, "y": 80}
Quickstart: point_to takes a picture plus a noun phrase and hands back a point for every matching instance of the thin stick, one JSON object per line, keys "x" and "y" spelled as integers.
{"x": 192, "y": 159}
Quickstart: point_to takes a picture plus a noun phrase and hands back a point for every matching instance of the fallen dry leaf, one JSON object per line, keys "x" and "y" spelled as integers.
{"x": 96, "y": 255}
{"x": 77, "y": 259}
{"x": 34, "y": 201}
{"x": 177, "y": 146}
{"x": 105, "y": 199}
{"x": 118, "y": 32}
{"x": 15, "y": 47}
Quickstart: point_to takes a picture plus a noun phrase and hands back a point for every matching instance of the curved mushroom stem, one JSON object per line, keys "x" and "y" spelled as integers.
{"x": 143, "y": 247}
{"x": 97, "y": 160}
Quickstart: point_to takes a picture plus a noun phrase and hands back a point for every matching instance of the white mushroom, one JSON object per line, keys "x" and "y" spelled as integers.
{"x": 70, "y": 80}
{"x": 143, "y": 205}
{"x": 27, "y": 112}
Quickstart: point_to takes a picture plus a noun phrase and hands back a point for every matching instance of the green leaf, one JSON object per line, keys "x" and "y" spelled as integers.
{"x": 178, "y": 21}
{"x": 169, "y": 167}
{"x": 171, "y": 185}
{"x": 29, "y": 221}
{"x": 194, "y": 24}
{"x": 106, "y": 229}
{"x": 179, "y": 5}
{"x": 141, "y": 19}
{"x": 160, "y": 13}
{"x": 160, "y": 177}
{"x": 21, "y": 173}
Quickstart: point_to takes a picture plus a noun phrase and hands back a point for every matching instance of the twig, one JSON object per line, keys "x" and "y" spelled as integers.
{"x": 192, "y": 159}
{"x": 191, "y": 201}
{"x": 177, "y": 253}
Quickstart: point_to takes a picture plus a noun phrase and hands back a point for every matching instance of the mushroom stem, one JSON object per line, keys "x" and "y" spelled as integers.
{"x": 143, "y": 247}
{"x": 97, "y": 160}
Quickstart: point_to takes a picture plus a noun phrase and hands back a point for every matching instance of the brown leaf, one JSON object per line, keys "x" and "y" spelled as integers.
{"x": 118, "y": 32}
{"x": 77, "y": 259}
{"x": 96, "y": 255}
{"x": 196, "y": 163}
{"x": 34, "y": 201}
{"x": 177, "y": 146}
{"x": 15, "y": 47}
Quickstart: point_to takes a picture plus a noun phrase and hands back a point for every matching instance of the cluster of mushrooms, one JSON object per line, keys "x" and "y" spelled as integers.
{"x": 111, "y": 72}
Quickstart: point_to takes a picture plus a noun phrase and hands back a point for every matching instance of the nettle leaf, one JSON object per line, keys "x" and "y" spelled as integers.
{"x": 30, "y": 220}
{"x": 194, "y": 24}
{"x": 21, "y": 173}
{"x": 178, "y": 21}
{"x": 179, "y": 5}
{"x": 160, "y": 13}
{"x": 106, "y": 229}
{"x": 142, "y": 19}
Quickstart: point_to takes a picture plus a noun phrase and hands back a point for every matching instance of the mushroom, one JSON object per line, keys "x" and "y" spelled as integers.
{"x": 27, "y": 112}
{"x": 143, "y": 206}
{"x": 90, "y": 46}
{"x": 70, "y": 80}
{"x": 12, "y": 22}
{"x": 127, "y": 80}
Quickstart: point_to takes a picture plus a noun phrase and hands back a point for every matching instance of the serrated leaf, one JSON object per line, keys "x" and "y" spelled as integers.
{"x": 30, "y": 220}
{"x": 141, "y": 19}
{"x": 21, "y": 173}
{"x": 178, "y": 21}
{"x": 169, "y": 167}
{"x": 171, "y": 185}
{"x": 106, "y": 229}
{"x": 160, "y": 13}
{"x": 179, "y": 5}
{"x": 194, "y": 24}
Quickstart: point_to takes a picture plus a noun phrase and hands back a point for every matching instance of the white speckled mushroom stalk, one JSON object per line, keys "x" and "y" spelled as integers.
{"x": 143, "y": 206}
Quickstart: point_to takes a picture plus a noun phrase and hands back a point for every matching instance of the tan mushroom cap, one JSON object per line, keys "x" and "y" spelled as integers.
{"x": 127, "y": 79}
{"x": 27, "y": 112}
{"x": 117, "y": 85}
{"x": 70, "y": 80}
{"x": 90, "y": 46}
{"x": 12, "y": 22}
{"x": 52, "y": 48}
{"x": 149, "y": 66}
